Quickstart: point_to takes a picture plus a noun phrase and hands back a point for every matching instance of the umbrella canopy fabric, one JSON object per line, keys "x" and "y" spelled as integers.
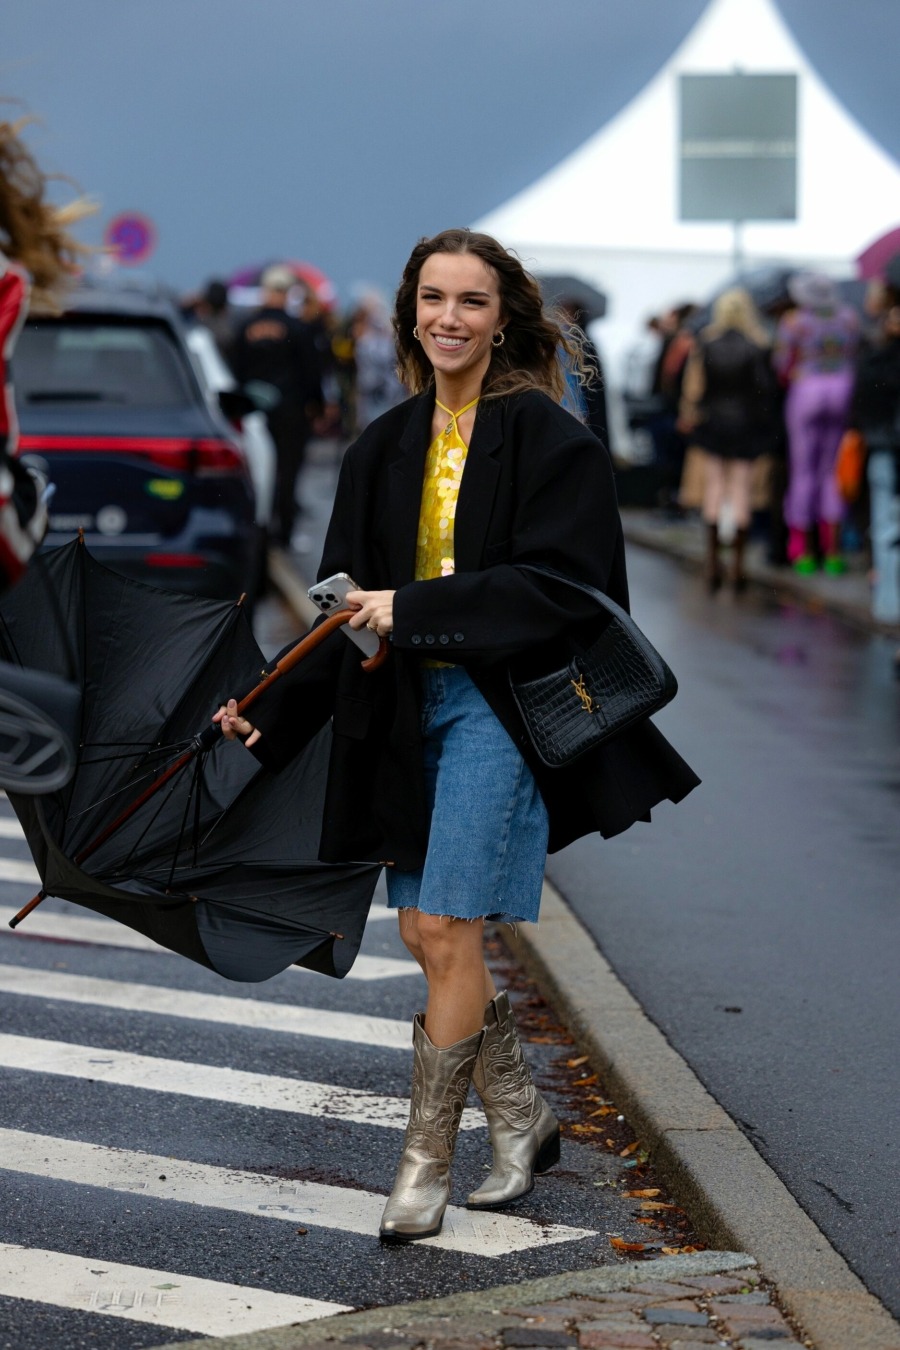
{"x": 872, "y": 263}
{"x": 306, "y": 273}
{"x": 589, "y": 300}
{"x": 221, "y": 864}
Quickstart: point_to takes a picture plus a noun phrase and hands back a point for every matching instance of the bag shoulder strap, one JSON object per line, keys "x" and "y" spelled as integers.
{"x": 601, "y": 598}
{"x": 615, "y": 611}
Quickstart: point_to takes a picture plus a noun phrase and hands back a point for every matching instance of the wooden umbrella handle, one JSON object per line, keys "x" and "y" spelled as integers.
{"x": 307, "y": 645}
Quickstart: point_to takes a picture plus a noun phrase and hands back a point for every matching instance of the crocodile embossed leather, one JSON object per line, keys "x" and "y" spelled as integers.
{"x": 616, "y": 682}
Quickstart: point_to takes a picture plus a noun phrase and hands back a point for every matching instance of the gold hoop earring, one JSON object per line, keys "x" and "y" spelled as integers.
{"x": 416, "y": 333}
{"x": 501, "y": 335}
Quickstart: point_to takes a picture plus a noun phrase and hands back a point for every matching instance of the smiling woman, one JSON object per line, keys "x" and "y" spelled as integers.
{"x": 447, "y": 509}
{"x": 452, "y": 288}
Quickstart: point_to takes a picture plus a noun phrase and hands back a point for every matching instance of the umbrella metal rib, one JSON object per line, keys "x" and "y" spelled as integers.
{"x": 206, "y": 739}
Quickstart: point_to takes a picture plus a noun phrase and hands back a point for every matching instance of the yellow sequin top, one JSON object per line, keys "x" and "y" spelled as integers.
{"x": 444, "y": 466}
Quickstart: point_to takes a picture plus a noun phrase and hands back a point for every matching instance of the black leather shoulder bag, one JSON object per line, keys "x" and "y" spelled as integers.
{"x": 609, "y": 684}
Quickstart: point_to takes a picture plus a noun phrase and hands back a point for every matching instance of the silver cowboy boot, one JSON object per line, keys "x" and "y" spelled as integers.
{"x": 524, "y": 1131}
{"x": 440, "y": 1085}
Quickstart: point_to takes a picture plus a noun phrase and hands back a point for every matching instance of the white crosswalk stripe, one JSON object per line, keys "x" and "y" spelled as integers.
{"x": 106, "y": 933}
{"x": 297, "y": 1202}
{"x": 178, "y": 1298}
{"x": 12, "y": 869}
{"x": 238, "y": 1012}
{"x": 189, "y": 1079}
{"x": 162, "y": 1298}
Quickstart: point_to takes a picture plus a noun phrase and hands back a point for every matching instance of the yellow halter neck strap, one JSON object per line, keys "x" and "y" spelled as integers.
{"x": 453, "y": 425}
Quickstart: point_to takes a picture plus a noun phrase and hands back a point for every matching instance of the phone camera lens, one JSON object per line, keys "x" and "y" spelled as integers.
{"x": 332, "y": 599}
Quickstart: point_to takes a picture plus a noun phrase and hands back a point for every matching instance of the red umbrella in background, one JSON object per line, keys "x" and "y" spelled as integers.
{"x": 306, "y": 273}
{"x": 872, "y": 262}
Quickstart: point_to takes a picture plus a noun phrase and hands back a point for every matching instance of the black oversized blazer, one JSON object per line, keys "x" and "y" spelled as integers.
{"x": 537, "y": 488}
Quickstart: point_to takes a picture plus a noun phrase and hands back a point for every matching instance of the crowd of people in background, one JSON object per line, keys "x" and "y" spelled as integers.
{"x": 314, "y": 370}
{"x": 779, "y": 417}
{"x": 784, "y": 416}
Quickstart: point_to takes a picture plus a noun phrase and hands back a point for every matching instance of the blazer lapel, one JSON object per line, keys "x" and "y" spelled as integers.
{"x": 478, "y": 487}
{"x": 476, "y": 493}
{"x": 405, "y": 490}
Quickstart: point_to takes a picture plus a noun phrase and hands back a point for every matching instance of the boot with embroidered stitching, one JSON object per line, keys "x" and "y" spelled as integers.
{"x": 524, "y": 1131}
{"x": 440, "y": 1085}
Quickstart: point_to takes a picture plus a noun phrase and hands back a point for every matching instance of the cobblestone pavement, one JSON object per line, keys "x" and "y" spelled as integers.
{"x": 691, "y": 1314}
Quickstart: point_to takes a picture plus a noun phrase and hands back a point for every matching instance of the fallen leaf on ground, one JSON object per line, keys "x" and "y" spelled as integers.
{"x": 577, "y": 1063}
{"x": 627, "y": 1152}
{"x": 585, "y": 1129}
{"x": 622, "y": 1246}
{"x": 588, "y": 1082}
{"x": 604, "y": 1111}
{"x": 656, "y": 1204}
{"x": 648, "y": 1193}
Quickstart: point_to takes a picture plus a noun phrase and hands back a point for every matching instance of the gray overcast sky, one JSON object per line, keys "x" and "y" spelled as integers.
{"x": 341, "y": 130}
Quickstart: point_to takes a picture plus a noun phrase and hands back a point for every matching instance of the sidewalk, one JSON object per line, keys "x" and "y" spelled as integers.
{"x": 678, "y": 1303}
{"x": 846, "y": 596}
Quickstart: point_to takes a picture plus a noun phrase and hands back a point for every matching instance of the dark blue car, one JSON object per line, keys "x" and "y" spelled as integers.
{"x": 111, "y": 411}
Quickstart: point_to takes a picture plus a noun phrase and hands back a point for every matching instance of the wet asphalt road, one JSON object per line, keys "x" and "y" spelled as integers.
{"x": 757, "y": 921}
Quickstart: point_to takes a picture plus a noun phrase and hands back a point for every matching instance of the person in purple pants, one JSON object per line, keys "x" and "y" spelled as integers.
{"x": 815, "y": 350}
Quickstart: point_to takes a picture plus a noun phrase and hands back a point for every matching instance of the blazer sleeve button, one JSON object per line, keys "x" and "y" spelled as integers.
{"x": 443, "y": 639}
{"x": 429, "y": 639}
{"x": 459, "y": 637}
{"x": 415, "y": 639}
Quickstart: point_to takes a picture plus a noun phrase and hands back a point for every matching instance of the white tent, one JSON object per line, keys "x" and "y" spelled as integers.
{"x": 609, "y": 211}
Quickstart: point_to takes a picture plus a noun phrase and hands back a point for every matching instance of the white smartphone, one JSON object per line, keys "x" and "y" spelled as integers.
{"x": 330, "y": 596}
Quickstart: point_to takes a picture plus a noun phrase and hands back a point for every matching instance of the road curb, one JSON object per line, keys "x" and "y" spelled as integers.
{"x": 485, "y": 1306}
{"x": 733, "y": 1197}
{"x": 813, "y": 592}
{"x": 287, "y": 580}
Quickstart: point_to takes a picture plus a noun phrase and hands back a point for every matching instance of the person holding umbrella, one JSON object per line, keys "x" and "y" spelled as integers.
{"x": 442, "y": 506}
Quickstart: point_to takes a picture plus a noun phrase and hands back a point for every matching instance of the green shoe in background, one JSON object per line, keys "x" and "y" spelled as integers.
{"x": 805, "y": 565}
{"x": 834, "y": 565}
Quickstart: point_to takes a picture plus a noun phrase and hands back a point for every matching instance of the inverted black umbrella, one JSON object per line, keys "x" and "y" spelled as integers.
{"x": 588, "y": 299}
{"x": 162, "y": 826}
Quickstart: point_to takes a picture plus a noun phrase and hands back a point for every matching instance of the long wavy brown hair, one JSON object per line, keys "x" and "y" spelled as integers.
{"x": 33, "y": 232}
{"x": 535, "y": 345}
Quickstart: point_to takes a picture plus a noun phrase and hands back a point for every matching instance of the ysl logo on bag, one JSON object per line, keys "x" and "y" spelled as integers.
{"x": 587, "y": 702}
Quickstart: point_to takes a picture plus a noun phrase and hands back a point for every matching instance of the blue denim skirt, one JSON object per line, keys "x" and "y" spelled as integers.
{"x": 487, "y": 844}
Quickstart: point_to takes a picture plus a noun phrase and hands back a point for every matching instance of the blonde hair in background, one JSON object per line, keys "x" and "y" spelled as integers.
{"x": 735, "y": 309}
{"x": 33, "y": 232}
